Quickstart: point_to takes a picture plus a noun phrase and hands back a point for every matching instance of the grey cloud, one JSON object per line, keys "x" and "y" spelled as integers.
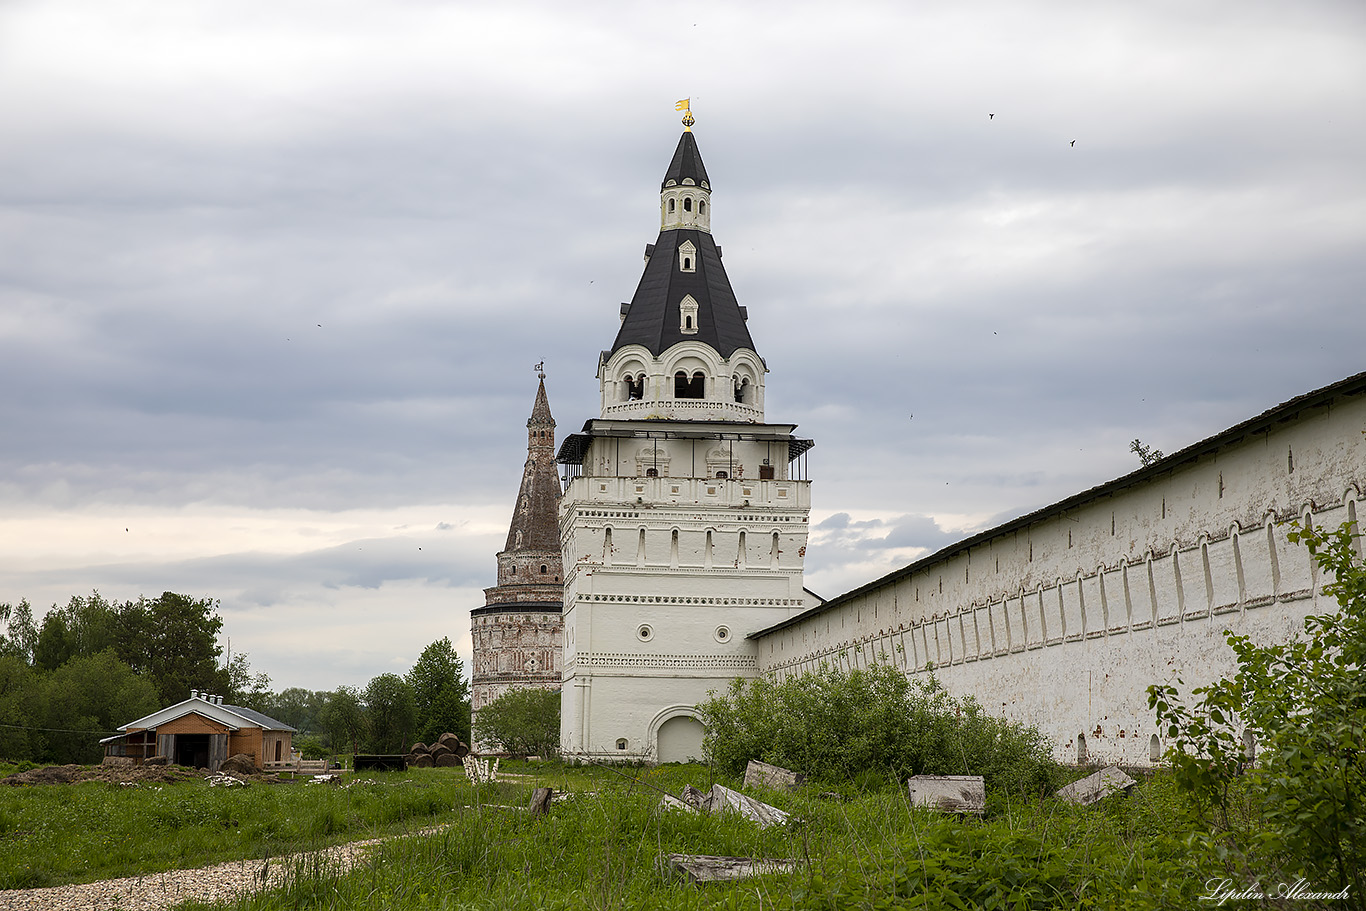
{"x": 170, "y": 241}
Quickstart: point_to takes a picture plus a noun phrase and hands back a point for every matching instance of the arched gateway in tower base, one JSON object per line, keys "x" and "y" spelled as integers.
{"x": 684, "y": 520}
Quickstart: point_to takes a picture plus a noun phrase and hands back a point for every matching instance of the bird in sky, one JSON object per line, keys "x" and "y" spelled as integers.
{"x": 1074, "y": 142}
{"x": 991, "y": 116}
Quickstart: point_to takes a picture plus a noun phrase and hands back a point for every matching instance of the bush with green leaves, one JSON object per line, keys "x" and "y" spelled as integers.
{"x": 844, "y": 725}
{"x": 523, "y": 722}
{"x": 1301, "y": 810}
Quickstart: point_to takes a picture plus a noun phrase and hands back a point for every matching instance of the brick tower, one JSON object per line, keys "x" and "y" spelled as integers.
{"x": 517, "y": 632}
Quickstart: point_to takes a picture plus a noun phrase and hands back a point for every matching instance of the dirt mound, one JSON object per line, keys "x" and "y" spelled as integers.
{"x": 114, "y": 774}
{"x": 238, "y": 764}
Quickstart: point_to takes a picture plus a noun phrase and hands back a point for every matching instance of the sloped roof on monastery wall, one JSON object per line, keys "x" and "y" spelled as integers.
{"x": 1284, "y": 413}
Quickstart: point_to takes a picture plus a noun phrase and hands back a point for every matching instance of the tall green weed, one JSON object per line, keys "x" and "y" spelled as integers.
{"x": 841, "y": 726}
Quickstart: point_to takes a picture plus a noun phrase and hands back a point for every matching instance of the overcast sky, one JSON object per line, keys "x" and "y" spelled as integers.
{"x": 274, "y": 276}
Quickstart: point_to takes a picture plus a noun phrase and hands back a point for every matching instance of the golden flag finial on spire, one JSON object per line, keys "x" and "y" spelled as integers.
{"x": 686, "y": 106}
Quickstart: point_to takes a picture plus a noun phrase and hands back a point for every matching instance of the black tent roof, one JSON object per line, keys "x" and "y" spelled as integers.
{"x": 653, "y": 318}
{"x": 687, "y": 162}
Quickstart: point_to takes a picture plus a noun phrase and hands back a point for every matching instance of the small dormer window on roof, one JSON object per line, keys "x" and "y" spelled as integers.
{"x": 687, "y": 257}
{"x": 687, "y": 314}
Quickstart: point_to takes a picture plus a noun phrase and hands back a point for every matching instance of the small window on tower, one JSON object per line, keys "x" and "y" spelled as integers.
{"x": 687, "y": 316}
{"x": 652, "y": 472}
{"x": 543, "y": 569}
{"x": 694, "y": 388}
{"x": 635, "y": 388}
{"x": 687, "y": 204}
{"x": 687, "y": 257}
{"x": 701, "y": 206}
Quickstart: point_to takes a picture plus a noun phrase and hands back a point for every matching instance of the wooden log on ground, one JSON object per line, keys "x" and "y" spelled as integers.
{"x": 540, "y": 801}
{"x": 710, "y": 868}
{"x": 762, "y": 775}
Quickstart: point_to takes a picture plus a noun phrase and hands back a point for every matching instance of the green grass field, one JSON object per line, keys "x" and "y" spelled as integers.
{"x": 600, "y": 846}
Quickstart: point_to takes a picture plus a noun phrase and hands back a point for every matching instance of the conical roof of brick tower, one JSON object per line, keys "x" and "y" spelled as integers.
{"x": 536, "y": 514}
{"x": 540, "y": 412}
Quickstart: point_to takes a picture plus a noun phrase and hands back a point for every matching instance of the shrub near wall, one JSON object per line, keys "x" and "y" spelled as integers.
{"x": 837, "y": 725}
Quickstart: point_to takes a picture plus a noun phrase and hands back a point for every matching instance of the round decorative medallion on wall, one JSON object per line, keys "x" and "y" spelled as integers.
{"x": 532, "y": 664}
{"x": 645, "y": 632}
{"x": 722, "y": 634}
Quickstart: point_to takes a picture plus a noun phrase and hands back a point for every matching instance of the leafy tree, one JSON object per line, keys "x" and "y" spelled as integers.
{"x": 245, "y": 688}
{"x": 1304, "y": 701}
{"x": 173, "y": 640}
{"x": 84, "y": 627}
{"x": 56, "y": 643}
{"x": 343, "y": 719}
{"x": 391, "y": 713}
{"x": 441, "y": 694}
{"x": 845, "y": 725}
{"x": 299, "y": 708}
{"x": 19, "y": 708}
{"x": 86, "y": 697}
{"x": 21, "y": 635}
{"x": 523, "y": 722}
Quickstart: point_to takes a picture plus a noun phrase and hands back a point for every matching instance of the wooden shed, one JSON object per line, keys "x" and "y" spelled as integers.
{"x": 202, "y": 732}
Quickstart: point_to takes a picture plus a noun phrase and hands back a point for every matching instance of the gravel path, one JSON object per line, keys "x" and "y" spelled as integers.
{"x": 162, "y": 890}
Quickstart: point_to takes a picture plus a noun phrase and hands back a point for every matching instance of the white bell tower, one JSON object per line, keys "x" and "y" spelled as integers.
{"x": 684, "y": 517}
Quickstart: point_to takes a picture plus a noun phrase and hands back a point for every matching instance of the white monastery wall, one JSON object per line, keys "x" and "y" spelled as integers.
{"x": 1062, "y": 619}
